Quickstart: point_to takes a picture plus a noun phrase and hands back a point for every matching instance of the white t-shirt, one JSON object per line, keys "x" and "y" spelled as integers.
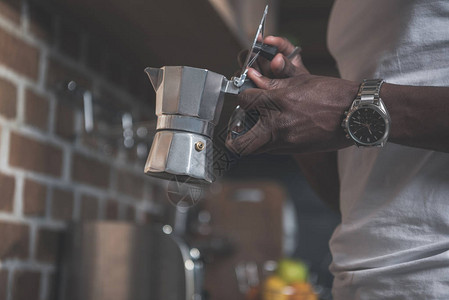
{"x": 393, "y": 242}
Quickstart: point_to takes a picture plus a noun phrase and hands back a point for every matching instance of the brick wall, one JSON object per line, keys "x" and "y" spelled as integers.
{"x": 51, "y": 173}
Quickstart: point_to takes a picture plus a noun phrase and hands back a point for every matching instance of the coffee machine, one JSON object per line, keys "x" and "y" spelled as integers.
{"x": 188, "y": 106}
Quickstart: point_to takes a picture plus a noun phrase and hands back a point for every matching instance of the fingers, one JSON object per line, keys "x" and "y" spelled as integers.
{"x": 241, "y": 58}
{"x": 273, "y": 68}
{"x": 282, "y": 67}
{"x": 263, "y": 82}
{"x": 284, "y": 46}
{"x": 256, "y": 139}
{"x": 250, "y": 142}
{"x": 252, "y": 99}
{"x": 291, "y": 54}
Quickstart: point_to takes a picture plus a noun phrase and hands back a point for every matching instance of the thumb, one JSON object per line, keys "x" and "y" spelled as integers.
{"x": 252, "y": 141}
{"x": 263, "y": 82}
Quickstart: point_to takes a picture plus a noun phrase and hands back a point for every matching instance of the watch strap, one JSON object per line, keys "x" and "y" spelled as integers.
{"x": 369, "y": 91}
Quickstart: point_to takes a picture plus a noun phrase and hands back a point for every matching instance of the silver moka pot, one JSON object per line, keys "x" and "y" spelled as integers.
{"x": 188, "y": 106}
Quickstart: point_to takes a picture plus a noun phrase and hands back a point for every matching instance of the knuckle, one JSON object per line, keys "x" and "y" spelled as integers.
{"x": 290, "y": 139}
{"x": 244, "y": 99}
{"x": 258, "y": 101}
{"x": 243, "y": 96}
{"x": 273, "y": 84}
{"x": 303, "y": 78}
{"x": 286, "y": 41}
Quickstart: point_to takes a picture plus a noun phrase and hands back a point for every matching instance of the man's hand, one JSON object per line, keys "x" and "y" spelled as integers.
{"x": 299, "y": 112}
{"x": 276, "y": 67}
{"x": 320, "y": 169}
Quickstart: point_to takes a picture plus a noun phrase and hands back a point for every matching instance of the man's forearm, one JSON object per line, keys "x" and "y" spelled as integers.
{"x": 419, "y": 115}
{"x": 321, "y": 171}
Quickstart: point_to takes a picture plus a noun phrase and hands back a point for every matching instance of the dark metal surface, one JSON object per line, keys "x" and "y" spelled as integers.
{"x": 121, "y": 261}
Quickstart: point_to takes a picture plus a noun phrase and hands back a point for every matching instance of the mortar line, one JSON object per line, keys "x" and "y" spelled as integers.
{"x": 32, "y": 241}
{"x": 10, "y": 284}
{"x": 18, "y": 195}
{"x": 44, "y": 285}
{"x": 76, "y": 214}
{"x": 20, "y": 102}
{"x": 25, "y": 16}
{"x": 4, "y": 147}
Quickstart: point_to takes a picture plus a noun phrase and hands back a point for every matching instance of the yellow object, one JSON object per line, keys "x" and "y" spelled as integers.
{"x": 292, "y": 270}
{"x": 273, "y": 289}
{"x": 302, "y": 287}
{"x": 303, "y": 291}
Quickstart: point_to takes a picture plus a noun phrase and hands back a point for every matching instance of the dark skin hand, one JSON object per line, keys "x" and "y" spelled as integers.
{"x": 302, "y": 113}
{"x": 320, "y": 169}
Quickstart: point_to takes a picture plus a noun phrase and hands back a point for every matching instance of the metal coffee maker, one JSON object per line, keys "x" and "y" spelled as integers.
{"x": 188, "y": 106}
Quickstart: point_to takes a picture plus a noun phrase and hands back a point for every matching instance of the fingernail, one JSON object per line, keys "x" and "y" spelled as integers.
{"x": 282, "y": 64}
{"x": 256, "y": 73}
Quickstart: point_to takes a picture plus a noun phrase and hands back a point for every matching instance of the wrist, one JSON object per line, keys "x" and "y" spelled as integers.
{"x": 388, "y": 93}
{"x": 350, "y": 89}
{"x": 367, "y": 121}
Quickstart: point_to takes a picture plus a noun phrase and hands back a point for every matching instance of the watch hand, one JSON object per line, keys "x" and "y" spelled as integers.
{"x": 358, "y": 129}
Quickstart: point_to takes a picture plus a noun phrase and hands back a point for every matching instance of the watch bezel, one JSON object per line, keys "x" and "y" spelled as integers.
{"x": 378, "y": 108}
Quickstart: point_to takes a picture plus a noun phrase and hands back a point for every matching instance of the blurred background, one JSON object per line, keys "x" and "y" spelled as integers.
{"x": 79, "y": 219}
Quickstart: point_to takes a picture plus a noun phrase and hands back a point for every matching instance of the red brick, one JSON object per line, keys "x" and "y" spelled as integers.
{"x": 33, "y": 155}
{"x": 141, "y": 86}
{"x": 129, "y": 213}
{"x": 147, "y": 218}
{"x": 111, "y": 212}
{"x": 36, "y": 110}
{"x": 90, "y": 171}
{"x": 108, "y": 147}
{"x": 131, "y": 155}
{"x": 65, "y": 121}
{"x": 8, "y": 99}
{"x": 3, "y": 284}
{"x": 41, "y": 21}
{"x": 26, "y": 285}
{"x": 130, "y": 184}
{"x": 116, "y": 70}
{"x": 59, "y": 73}
{"x": 10, "y": 9}
{"x": 48, "y": 245}
{"x": 34, "y": 198}
{"x": 52, "y": 287}
{"x": 7, "y": 185}
{"x": 18, "y": 55}
{"x": 62, "y": 204}
{"x": 14, "y": 240}
{"x": 96, "y": 49}
{"x": 70, "y": 41}
{"x": 91, "y": 141}
{"x": 159, "y": 194}
{"x": 114, "y": 102}
{"x": 89, "y": 207}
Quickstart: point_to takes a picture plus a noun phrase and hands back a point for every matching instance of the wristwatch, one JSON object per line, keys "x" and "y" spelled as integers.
{"x": 367, "y": 122}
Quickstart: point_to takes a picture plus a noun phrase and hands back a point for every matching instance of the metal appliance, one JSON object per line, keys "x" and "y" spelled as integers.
{"x": 188, "y": 106}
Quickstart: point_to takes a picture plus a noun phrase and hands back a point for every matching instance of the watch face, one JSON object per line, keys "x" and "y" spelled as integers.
{"x": 367, "y": 126}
